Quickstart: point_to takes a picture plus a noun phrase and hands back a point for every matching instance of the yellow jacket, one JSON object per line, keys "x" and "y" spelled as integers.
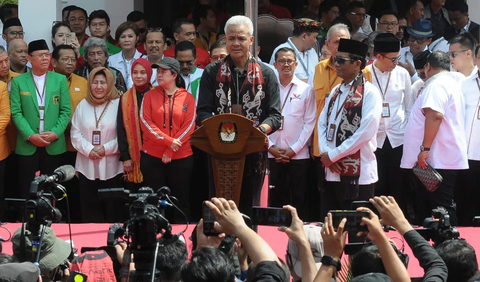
{"x": 201, "y": 43}
{"x": 78, "y": 91}
{"x": 324, "y": 80}
{"x": 11, "y": 129}
{"x": 4, "y": 120}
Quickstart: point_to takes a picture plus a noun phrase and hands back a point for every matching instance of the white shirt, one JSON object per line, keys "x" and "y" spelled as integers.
{"x": 299, "y": 114}
{"x": 364, "y": 139}
{"x": 40, "y": 84}
{"x": 400, "y": 101}
{"x": 449, "y": 151}
{"x": 307, "y": 61}
{"x": 439, "y": 45}
{"x": 83, "y": 124}
{"x": 471, "y": 94}
{"x": 119, "y": 62}
{"x": 407, "y": 55}
{"x": 417, "y": 88}
{"x": 192, "y": 80}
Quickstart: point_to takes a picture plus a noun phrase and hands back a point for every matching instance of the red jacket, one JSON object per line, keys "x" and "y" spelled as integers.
{"x": 203, "y": 57}
{"x": 155, "y": 122}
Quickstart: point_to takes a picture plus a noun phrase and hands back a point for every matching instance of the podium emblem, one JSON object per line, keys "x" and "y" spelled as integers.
{"x": 227, "y": 132}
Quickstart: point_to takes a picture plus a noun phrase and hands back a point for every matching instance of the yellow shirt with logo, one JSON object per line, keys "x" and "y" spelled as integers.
{"x": 78, "y": 91}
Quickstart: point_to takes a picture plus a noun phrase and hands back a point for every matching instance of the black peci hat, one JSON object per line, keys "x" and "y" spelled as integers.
{"x": 11, "y": 22}
{"x": 37, "y": 45}
{"x": 353, "y": 47}
{"x": 386, "y": 43}
{"x": 420, "y": 60}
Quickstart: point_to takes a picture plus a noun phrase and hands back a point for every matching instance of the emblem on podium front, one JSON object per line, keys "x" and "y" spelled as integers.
{"x": 227, "y": 132}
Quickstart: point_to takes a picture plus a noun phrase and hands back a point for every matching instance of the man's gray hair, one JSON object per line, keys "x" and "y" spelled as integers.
{"x": 240, "y": 20}
{"x": 93, "y": 42}
{"x": 337, "y": 28}
{"x": 2, "y": 49}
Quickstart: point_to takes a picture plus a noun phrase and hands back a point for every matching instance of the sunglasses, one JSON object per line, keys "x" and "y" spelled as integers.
{"x": 394, "y": 60}
{"x": 341, "y": 60}
{"x": 454, "y": 54}
{"x": 419, "y": 41}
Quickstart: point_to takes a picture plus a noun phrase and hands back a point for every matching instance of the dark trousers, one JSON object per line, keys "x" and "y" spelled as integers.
{"x": 29, "y": 165}
{"x": 199, "y": 187}
{"x": 73, "y": 192}
{"x": 392, "y": 180}
{"x": 287, "y": 183}
{"x": 312, "y": 197}
{"x": 3, "y": 163}
{"x": 12, "y": 179}
{"x": 252, "y": 181}
{"x": 176, "y": 175}
{"x": 442, "y": 197}
{"x": 333, "y": 196}
{"x": 467, "y": 193}
{"x": 93, "y": 208}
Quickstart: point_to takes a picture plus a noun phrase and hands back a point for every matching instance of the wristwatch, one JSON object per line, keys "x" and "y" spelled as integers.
{"x": 330, "y": 261}
{"x": 262, "y": 129}
{"x": 423, "y": 149}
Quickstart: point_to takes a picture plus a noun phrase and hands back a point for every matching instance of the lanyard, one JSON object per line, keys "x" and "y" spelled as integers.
{"x": 299, "y": 56}
{"x": 42, "y": 96}
{"x": 125, "y": 65}
{"x": 378, "y": 82}
{"x": 286, "y": 97}
{"x": 170, "y": 107}
{"x": 97, "y": 120}
{"x": 338, "y": 104}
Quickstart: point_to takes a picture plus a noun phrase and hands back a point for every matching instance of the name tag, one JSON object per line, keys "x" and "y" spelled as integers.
{"x": 96, "y": 137}
{"x": 42, "y": 114}
{"x": 23, "y": 93}
{"x": 77, "y": 89}
{"x": 386, "y": 110}
{"x": 331, "y": 132}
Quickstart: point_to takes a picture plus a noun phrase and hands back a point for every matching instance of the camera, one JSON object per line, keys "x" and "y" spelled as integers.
{"x": 438, "y": 227}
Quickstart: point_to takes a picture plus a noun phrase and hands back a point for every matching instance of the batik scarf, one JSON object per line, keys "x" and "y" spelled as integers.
{"x": 349, "y": 123}
{"x": 251, "y": 92}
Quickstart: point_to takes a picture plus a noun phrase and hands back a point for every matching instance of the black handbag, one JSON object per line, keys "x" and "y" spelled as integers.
{"x": 430, "y": 178}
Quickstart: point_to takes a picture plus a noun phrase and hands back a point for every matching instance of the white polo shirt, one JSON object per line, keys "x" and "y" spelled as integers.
{"x": 399, "y": 98}
{"x": 449, "y": 151}
{"x": 119, "y": 62}
{"x": 364, "y": 139}
{"x": 306, "y": 61}
{"x": 299, "y": 113}
{"x": 407, "y": 55}
{"x": 471, "y": 92}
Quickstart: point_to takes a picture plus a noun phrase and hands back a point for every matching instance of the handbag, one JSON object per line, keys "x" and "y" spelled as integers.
{"x": 430, "y": 178}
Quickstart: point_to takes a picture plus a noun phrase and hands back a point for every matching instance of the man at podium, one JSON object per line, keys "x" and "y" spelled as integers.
{"x": 239, "y": 84}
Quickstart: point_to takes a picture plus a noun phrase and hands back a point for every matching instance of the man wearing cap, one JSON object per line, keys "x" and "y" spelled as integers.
{"x": 347, "y": 131}
{"x": 435, "y": 136}
{"x": 420, "y": 37}
{"x": 394, "y": 85}
{"x": 12, "y": 28}
{"x": 25, "y": 271}
{"x": 305, "y": 33}
{"x": 239, "y": 84}
{"x": 420, "y": 60}
{"x": 288, "y": 146}
{"x": 53, "y": 251}
{"x": 41, "y": 108}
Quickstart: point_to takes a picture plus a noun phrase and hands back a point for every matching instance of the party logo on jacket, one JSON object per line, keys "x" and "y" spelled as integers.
{"x": 227, "y": 132}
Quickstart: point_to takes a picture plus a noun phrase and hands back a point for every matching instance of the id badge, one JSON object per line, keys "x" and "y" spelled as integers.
{"x": 96, "y": 137}
{"x": 386, "y": 110}
{"x": 282, "y": 122}
{"x": 331, "y": 132}
{"x": 42, "y": 114}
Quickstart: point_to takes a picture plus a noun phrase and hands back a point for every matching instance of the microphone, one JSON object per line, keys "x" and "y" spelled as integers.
{"x": 62, "y": 174}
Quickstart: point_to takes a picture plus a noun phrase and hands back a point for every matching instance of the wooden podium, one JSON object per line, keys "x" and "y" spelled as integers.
{"x": 228, "y": 138}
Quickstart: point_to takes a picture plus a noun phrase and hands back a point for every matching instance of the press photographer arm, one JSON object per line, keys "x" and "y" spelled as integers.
{"x": 433, "y": 265}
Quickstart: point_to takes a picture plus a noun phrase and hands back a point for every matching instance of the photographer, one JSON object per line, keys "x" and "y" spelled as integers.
{"x": 429, "y": 259}
{"x": 460, "y": 259}
{"x": 334, "y": 243}
{"x": 54, "y": 253}
{"x": 211, "y": 264}
{"x": 19, "y": 272}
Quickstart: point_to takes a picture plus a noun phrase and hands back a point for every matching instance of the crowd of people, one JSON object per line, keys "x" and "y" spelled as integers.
{"x": 351, "y": 104}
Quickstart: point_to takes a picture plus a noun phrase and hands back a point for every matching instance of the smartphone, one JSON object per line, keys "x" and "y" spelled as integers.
{"x": 353, "y": 217}
{"x": 365, "y": 204}
{"x": 70, "y": 37}
{"x": 271, "y": 216}
{"x": 209, "y": 219}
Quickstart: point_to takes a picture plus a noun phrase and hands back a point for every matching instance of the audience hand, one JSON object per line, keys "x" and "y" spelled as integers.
{"x": 176, "y": 144}
{"x": 408, "y": 66}
{"x": 123, "y": 254}
{"x": 128, "y": 166}
{"x": 203, "y": 240}
{"x": 242, "y": 255}
{"x": 48, "y": 136}
{"x": 166, "y": 159}
{"x": 295, "y": 231}
{"x": 94, "y": 155}
{"x": 391, "y": 213}
{"x": 38, "y": 140}
{"x": 229, "y": 219}
{"x": 375, "y": 231}
{"x": 333, "y": 242}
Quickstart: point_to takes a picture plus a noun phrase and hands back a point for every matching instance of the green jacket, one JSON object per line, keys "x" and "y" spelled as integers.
{"x": 26, "y": 115}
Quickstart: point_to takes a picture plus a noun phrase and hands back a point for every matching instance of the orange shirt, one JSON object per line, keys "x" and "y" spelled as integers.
{"x": 160, "y": 125}
{"x": 203, "y": 58}
{"x": 78, "y": 91}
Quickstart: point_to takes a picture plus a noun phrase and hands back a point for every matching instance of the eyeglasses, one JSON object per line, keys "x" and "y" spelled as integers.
{"x": 419, "y": 41}
{"x": 326, "y": 54}
{"x": 402, "y": 27}
{"x": 42, "y": 56}
{"x": 288, "y": 62}
{"x": 388, "y": 24}
{"x": 187, "y": 63}
{"x": 68, "y": 60}
{"x": 358, "y": 15}
{"x": 394, "y": 59}
{"x": 153, "y": 29}
{"x": 16, "y": 33}
{"x": 454, "y": 54}
{"x": 341, "y": 60}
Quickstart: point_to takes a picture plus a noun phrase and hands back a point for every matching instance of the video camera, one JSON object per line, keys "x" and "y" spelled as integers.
{"x": 438, "y": 227}
{"x": 141, "y": 230}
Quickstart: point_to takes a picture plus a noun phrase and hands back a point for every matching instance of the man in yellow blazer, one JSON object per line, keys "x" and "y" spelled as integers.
{"x": 4, "y": 148}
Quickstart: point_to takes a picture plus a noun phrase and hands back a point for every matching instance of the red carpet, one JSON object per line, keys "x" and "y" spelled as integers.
{"x": 95, "y": 235}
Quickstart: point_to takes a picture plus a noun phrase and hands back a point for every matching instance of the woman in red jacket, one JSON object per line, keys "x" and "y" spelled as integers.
{"x": 167, "y": 120}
